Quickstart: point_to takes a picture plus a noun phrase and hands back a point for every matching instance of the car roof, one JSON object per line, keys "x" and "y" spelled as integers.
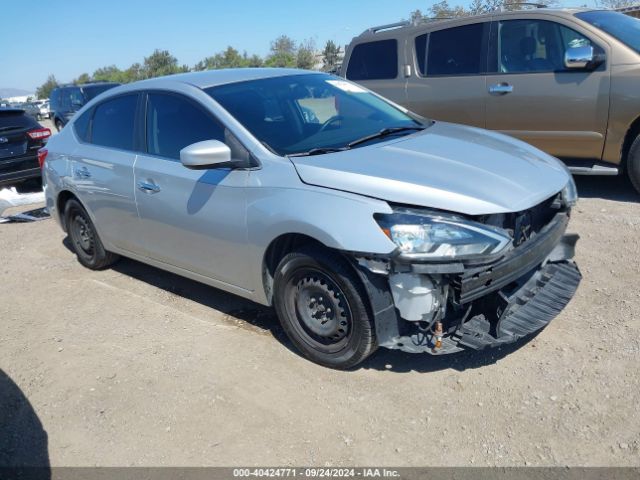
{"x": 212, "y": 78}
{"x": 438, "y": 22}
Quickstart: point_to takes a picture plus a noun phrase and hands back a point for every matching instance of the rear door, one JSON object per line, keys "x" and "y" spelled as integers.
{"x": 449, "y": 79}
{"x": 192, "y": 219}
{"x": 533, "y": 97}
{"x": 102, "y": 169}
{"x": 377, "y": 65}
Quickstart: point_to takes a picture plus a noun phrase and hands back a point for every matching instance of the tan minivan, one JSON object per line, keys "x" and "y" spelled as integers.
{"x": 567, "y": 81}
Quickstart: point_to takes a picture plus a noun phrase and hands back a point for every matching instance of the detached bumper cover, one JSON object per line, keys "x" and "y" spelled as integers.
{"x": 508, "y": 300}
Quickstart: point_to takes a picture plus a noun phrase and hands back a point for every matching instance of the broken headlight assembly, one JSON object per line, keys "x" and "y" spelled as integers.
{"x": 570, "y": 193}
{"x": 430, "y": 235}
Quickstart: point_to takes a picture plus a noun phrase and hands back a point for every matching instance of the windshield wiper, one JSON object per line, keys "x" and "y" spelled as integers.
{"x": 384, "y": 133}
{"x": 319, "y": 151}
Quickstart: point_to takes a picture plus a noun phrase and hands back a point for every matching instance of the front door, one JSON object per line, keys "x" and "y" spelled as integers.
{"x": 191, "y": 219}
{"x": 535, "y": 98}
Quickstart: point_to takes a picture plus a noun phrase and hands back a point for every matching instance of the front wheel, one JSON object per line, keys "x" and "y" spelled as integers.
{"x": 323, "y": 308}
{"x": 633, "y": 164}
{"x": 84, "y": 238}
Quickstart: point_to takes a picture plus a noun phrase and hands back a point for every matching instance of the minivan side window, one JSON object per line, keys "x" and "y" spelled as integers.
{"x": 374, "y": 61}
{"x": 173, "y": 122}
{"x": 456, "y": 51}
{"x": 535, "y": 45}
{"x": 113, "y": 122}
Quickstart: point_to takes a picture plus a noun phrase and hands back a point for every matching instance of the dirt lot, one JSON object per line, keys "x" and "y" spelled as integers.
{"x": 134, "y": 366}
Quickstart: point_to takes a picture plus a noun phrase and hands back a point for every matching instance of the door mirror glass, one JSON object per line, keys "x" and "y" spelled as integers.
{"x": 206, "y": 154}
{"x": 579, "y": 57}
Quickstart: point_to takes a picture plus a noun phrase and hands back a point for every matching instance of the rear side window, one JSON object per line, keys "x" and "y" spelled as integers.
{"x": 374, "y": 61}
{"x": 10, "y": 120}
{"x": 421, "y": 53}
{"x": 174, "y": 122}
{"x": 113, "y": 123}
{"x": 456, "y": 51}
{"x": 81, "y": 125}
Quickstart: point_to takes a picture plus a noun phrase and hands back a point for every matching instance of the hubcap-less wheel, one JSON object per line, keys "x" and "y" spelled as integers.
{"x": 82, "y": 234}
{"x": 320, "y": 309}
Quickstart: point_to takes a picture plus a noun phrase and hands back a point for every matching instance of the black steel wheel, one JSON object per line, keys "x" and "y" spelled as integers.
{"x": 323, "y": 308}
{"x": 84, "y": 238}
{"x": 633, "y": 164}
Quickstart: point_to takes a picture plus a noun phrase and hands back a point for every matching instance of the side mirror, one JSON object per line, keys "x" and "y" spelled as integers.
{"x": 205, "y": 155}
{"x": 579, "y": 58}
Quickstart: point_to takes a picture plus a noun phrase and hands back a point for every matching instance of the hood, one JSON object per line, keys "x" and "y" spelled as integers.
{"x": 448, "y": 167}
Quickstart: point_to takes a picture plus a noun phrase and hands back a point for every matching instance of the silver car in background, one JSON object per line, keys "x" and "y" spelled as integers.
{"x": 363, "y": 224}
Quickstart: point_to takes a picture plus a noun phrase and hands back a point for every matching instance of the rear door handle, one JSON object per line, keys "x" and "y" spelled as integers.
{"x": 83, "y": 172}
{"x": 500, "y": 89}
{"x": 148, "y": 187}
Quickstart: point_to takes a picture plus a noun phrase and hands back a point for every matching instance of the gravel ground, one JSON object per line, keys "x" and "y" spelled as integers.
{"x": 134, "y": 366}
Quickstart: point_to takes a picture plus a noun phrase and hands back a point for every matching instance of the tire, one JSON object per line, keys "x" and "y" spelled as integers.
{"x": 323, "y": 308}
{"x": 59, "y": 125}
{"x": 633, "y": 164}
{"x": 84, "y": 238}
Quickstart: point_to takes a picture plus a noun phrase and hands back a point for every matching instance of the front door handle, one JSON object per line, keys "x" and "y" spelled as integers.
{"x": 500, "y": 89}
{"x": 83, "y": 172}
{"x": 148, "y": 187}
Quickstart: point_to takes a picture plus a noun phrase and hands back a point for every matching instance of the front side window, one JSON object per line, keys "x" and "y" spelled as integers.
{"x": 173, "y": 122}
{"x": 113, "y": 122}
{"x": 535, "y": 45}
{"x": 297, "y": 113}
{"x": 456, "y": 51}
{"x": 374, "y": 61}
{"x": 620, "y": 26}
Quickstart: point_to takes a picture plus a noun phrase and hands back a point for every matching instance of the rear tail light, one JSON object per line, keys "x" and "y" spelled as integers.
{"x": 42, "y": 155}
{"x": 39, "y": 134}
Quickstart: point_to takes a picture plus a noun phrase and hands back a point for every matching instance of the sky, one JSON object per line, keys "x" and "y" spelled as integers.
{"x": 69, "y": 37}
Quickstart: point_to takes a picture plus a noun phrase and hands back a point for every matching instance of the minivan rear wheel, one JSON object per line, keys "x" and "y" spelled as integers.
{"x": 633, "y": 164}
{"x": 59, "y": 125}
{"x": 323, "y": 308}
{"x": 84, "y": 238}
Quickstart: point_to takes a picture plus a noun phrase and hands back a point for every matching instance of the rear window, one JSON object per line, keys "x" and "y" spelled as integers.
{"x": 374, "y": 61}
{"x": 81, "y": 125}
{"x": 95, "y": 90}
{"x": 456, "y": 51}
{"x": 10, "y": 119}
{"x": 113, "y": 122}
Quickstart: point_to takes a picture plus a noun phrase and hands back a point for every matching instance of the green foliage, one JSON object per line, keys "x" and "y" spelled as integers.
{"x": 160, "y": 63}
{"x": 44, "y": 90}
{"x": 83, "y": 78}
{"x": 332, "y": 56}
{"x": 108, "y": 74}
{"x": 283, "y": 53}
{"x": 443, "y": 9}
{"x": 615, "y": 4}
{"x": 306, "y": 55}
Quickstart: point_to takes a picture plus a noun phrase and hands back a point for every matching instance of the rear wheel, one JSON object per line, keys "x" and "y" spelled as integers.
{"x": 84, "y": 238}
{"x": 323, "y": 309}
{"x": 633, "y": 164}
{"x": 59, "y": 125}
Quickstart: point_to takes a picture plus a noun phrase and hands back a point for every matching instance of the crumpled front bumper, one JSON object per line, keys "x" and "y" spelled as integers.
{"x": 489, "y": 305}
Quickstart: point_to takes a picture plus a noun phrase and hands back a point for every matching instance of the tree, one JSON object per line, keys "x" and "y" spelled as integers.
{"x": 331, "y": 56}
{"x": 229, "y": 58}
{"x": 161, "y": 62}
{"x": 615, "y": 4}
{"x": 133, "y": 73}
{"x": 44, "y": 90}
{"x": 82, "y": 78}
{"x": 283, "y": 53}
{"x": 110, "y": 73}
{"x": 443, "y": 9}
{"x": 306, "y": 55}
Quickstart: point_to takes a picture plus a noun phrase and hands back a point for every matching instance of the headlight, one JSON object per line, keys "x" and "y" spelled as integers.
{"x": 442, "y": 236}
{"x": 570, "y": 193}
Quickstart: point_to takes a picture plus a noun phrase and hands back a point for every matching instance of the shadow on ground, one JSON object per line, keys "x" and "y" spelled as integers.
{"x": 608, "y": 188}
{"x": 24, "y": 451}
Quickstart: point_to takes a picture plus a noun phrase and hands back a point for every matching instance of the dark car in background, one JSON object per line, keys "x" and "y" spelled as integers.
{"x": 21, "y": 136}
{"x": 66, "y": 100}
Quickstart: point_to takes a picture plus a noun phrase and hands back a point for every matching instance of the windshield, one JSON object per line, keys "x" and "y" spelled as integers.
{"x": 302, "y": 113}
{"x": 618, "y": 25}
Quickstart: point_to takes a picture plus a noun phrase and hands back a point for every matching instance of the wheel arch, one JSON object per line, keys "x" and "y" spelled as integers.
{"x": 61, "y": 202}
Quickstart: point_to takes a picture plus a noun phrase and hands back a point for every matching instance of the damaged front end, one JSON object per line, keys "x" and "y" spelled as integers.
{"x": 474, "y": 290}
